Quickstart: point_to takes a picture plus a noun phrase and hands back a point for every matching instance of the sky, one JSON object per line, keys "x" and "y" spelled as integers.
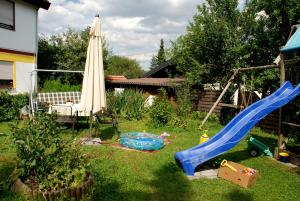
{"x": 132, "y": 28}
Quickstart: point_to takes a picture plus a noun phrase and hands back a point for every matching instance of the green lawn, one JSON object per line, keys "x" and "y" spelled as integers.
{"x": 130, "y": 175}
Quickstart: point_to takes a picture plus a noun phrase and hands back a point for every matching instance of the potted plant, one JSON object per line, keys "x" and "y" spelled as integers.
{"x": 49, "y": 167}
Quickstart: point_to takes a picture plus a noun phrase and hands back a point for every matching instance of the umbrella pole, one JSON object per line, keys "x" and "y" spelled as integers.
{"x": 91, "y": 123}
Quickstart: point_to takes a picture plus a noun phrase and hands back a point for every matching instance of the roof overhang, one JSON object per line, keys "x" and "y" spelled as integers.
{"x": 160, "y": 82}
{"x": 45, "y": 4}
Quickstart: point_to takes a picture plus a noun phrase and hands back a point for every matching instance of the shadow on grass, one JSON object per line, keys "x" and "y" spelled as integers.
{"x": 236, "y": 156}
{"x": 238, "y": 195}
{"x": 107, "y": 133}
{"x": 269, "y": 141}
{"x": 169, "y": 184}
{"x": 7, "y": 165}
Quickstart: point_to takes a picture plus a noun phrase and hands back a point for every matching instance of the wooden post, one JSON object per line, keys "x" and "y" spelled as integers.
{"x": 219, "y": 98}
{"x": 282, "y": 79}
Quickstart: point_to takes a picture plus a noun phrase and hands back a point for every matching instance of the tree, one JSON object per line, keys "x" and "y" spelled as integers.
{"x": 160, "y": 57}
{"x": 67, "y": 51}
{"x": 120, "y": 65}
{"x": 213, "y": 44}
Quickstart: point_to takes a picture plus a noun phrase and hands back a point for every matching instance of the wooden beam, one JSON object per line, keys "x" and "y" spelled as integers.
{"x": 282, "y": 79}
{"x": 219, "y": 98}
{"x": 290, "y": 124}
{"x": 287, "y": 63}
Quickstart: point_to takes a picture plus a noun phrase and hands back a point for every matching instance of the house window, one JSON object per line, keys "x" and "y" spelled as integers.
{"x": 6, "y": 74}
{"x": 7, "y": 14}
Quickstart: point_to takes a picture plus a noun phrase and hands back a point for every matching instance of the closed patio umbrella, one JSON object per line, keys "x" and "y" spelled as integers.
{"x": 93, "y": 98}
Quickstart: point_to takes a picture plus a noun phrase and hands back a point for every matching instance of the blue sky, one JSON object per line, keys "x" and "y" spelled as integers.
{"x": 133, "y": 28}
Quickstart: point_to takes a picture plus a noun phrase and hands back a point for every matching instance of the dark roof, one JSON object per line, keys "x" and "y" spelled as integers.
{"x": 159, "y": 67}
{"x": 163, "y": 82}
{"x": 45, "y": 4}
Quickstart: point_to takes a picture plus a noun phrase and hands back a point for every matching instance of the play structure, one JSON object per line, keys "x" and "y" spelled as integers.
{"x": 141, "y": 141}
{"x": 236, "y": 129}
{"x": 241, "y": 124}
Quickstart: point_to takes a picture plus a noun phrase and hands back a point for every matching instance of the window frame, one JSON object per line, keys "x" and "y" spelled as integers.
{"x": 7, "y": 26}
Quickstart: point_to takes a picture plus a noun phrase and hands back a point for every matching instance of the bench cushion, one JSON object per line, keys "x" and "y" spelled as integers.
{"x": 55, "y": 98}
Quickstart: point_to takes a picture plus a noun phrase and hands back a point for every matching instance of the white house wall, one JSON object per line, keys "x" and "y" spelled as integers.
{"x": 24, "y": 37}
{"x": 23, "y": 76}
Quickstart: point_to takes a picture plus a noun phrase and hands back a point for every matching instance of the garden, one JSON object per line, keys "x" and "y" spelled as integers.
{"x": 44, "y": 158}
{"x": 126, "y": 174}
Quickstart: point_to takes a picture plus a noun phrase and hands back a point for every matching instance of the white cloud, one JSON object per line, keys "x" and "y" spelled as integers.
{"x": 132, "y": 28}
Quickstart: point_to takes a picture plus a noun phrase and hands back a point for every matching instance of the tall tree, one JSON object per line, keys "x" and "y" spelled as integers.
{"x": 67, "y": 51}
{"x": 160, "y": 57}
{"x": 120, "y": 65}
{"x": 213, "y": 44}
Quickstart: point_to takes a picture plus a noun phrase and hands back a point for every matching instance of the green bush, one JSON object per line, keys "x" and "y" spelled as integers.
{"x": 45, "y": 158}
{"x": 184, "y": 104}
{"x": 198, "y": 115}
{"x": 58, "y": 86}
{"x": 128, "y": 104}
{"x": 179, "y": 122}
{"x": 10, "y": 105}
{"x": 161, "y": 111}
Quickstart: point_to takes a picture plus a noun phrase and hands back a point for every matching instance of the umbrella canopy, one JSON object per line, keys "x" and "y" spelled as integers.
{"x": 93, "y": 88}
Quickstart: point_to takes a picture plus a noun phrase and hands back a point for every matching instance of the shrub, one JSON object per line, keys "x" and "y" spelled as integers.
{"x": 161, "y": 111}
{"x": 10, "y": 105}
{"x": 58, "y": 86}
{"x": 128, "y": 104}
{"x": 183, "y": 97}
{"x": 178, "y": 122}
{"x": 201, "y": 115}
{"x": 47, "y": 162}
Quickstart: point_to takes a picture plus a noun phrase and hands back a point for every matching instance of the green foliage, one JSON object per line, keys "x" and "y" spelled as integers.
{"x": 128, "y": 104}
{"x": 201, "y": 115}
{"x": 120, "y": 65}
{"x": 213, "y": 44}
{"x": 10, "y": 105}
{"x": 57, "y": 86}
{"x": 161, "y": 111}
{"x": 178, "y": 122}
{"x": 160, "y": 57}
{"x": 44, "y": 156}
{"x": 221, "y": 37}
{"x": 67, "y": 51}
{"x": 184, "y": 104}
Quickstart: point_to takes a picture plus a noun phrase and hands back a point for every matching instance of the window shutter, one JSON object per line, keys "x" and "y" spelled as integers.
{"x": 6, "y": 14}
{"x": 6, "y": 70}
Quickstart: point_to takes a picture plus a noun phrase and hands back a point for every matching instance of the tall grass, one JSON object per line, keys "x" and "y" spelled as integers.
{"x": 129, "y": 104}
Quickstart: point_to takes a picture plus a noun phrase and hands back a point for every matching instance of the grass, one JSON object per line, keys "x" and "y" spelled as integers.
{"x": 130, "y": 175}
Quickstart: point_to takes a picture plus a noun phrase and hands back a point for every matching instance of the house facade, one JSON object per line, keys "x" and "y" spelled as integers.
{"x": 18, "y": 42}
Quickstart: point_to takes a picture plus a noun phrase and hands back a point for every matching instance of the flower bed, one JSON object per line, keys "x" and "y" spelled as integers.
{"x": 75, "y": 192}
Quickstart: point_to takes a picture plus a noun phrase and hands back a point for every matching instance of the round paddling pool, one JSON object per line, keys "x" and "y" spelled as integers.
{"x": 141, "y": 141}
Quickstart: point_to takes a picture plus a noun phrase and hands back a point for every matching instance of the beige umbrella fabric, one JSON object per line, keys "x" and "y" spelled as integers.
{"x": 93, "y": 88}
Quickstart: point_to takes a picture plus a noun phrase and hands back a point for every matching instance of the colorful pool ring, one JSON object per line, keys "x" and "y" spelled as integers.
{"x": 141, "y": 141}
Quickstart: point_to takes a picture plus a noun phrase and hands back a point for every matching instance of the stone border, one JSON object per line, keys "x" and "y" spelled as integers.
{"x": 76, "y": 192}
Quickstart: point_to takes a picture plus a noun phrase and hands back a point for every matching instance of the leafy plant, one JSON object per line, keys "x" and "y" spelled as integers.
{"x": 161, "y": 111}
{"x": 179, "y": 122}
{"x": 184, "y": 104}
{"x": 201, "y": 115}
{"x": 57, "y": 86}
{"x": 47, "y": 161}
{"x": 128, "y": 104}
{"x": 10, "y": 105}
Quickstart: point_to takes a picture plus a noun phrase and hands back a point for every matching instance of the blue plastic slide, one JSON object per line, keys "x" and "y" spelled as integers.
{"x": 236, "y": 129}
